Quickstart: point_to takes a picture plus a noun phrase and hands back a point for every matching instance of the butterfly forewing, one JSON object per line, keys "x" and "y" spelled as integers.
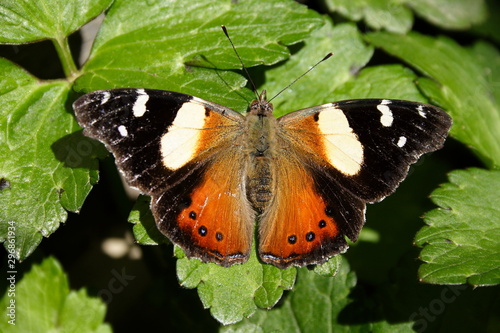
{"x": 367, "y": 145}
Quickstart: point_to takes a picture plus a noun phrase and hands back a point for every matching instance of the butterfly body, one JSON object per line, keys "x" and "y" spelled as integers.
{"x": 260, "y": 146}
{"x": 305, "y": 177}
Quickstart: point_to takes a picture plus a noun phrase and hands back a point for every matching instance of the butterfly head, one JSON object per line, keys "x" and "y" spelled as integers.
{"x": 261, "y": 106}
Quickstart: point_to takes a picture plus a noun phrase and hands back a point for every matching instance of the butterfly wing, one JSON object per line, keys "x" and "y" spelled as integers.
{"x": 335, "y": 158}
{"x": 179, "y": 150}
{"x": 308, "y": 218}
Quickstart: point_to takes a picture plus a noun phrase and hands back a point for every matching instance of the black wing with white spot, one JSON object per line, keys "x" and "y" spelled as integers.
{"x": 375, "y": 147}
{"x": 394, "y": 134}
{"x": 132, "y": 124}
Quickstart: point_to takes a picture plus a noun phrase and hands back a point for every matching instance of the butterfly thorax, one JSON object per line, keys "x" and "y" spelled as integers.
{"x": 261, "y": 132}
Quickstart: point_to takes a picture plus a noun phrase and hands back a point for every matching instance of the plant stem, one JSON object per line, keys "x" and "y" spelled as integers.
{"x": 62, "y": 48}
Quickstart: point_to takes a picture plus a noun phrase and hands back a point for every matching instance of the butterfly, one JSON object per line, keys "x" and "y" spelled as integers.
{"x": 306, "y": 177}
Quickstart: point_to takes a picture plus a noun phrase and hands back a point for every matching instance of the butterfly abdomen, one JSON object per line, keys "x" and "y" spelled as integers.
{"x": 259, "y": 183}
{"x": 261, "y": 130}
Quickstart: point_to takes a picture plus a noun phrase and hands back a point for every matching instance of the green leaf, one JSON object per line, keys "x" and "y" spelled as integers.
{"x": 462, "y": 241}
{"x": 349, "y": 52}
{"x": 487, "y": 58}
{"x": 389, "y": 81}
{"x": 329, "y": 268}
{"x": 49, "y": 168}
{"x": 27, "y": 20}
{"x": 44, "y": 303}
{"x": 173, "y": 51}
{"x": 145, "y": 230}
{"x": 465, "y": 85}
{"x": 317, "y": 304}
{"x": 450, "y": 14}
{"x": 378, "y": 14}
{"x": 233, "y": 293}
{"x": 396, "y": 16}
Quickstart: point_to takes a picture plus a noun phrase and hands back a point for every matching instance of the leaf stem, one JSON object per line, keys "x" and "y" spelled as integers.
{"x": 68, "y": 64}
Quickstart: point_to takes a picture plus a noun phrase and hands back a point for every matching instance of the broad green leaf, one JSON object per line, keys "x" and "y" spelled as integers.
{"x": 462, "y": 239}
{"x": 388, "y": 81}
{"x": 28, "y": 20}
{"x": 44, "y": 303}
{"x": 488, "y": 59}
{"x": 317, "y": 86}
{"x": 450, "y": 14}
{"x": 379, "y": 14}
{"x": 462, "y": 83}
{"x": 156, "y": 45}
{"x": 396, "y": 15}
{"x": 234, "y": 293}
{"x": 317, "y": 304}
{"x": 46, "y": 167}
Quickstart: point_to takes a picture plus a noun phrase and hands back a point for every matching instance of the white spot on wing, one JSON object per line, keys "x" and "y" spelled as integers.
{"x": 401, "y": 141}
{"x": 342, "y": 147}
{"x": 123, "y": 130}
{"x": 139, "y": 107}
{"x": 386, "y": 102}
{"x": 179, "y": 145}
{"x": 421, "y": 111}
{"x": 105, "y": 97}
{"x": 386, "y": 119}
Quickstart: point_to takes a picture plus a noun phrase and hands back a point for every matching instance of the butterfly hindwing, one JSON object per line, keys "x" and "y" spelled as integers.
{"x": 308, "y": 218}
{"x": 178, "y": 149}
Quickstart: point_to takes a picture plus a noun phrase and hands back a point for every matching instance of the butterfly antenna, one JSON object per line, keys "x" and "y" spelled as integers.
{"x": 304, "y": 74}
{"x": 241, "y": 61}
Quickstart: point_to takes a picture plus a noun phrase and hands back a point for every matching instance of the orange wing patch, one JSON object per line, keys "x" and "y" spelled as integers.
{"x": 298, "y": 227}
{"x": 328, "y": 135}
{"x": 196, "y": 129}
{"x": 218, "y": 219}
